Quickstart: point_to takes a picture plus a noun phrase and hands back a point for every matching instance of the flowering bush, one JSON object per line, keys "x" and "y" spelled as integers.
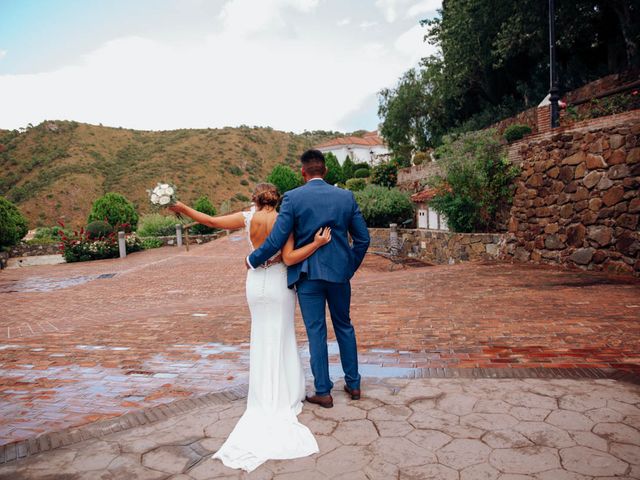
{"x": 79, "y": 247}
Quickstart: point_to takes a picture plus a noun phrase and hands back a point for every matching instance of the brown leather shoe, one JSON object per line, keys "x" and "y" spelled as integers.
{"x": 355, "y": 393}
{"x": 325, "y": 401}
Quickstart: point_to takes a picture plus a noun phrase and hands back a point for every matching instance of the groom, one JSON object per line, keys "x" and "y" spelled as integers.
{"x": 323, "y": 278}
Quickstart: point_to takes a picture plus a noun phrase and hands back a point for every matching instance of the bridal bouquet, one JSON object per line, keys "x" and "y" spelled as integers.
{"x": 163, "y": 195}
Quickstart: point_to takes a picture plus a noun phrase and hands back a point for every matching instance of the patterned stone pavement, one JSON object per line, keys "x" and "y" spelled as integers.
{"x": 84, "y": 342}
{"x": 439, "y": 429}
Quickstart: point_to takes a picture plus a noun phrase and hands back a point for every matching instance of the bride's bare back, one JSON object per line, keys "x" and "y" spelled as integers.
{"x": 261, "y": 226}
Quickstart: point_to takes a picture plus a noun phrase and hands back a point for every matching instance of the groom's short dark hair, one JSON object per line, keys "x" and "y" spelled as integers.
{"x": 313, "y": 162}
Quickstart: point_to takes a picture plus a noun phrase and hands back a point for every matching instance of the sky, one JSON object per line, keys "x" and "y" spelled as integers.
{"x": 292, "y": 65}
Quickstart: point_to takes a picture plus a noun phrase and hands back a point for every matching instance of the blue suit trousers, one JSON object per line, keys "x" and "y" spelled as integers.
{"x": 313, "y": 296}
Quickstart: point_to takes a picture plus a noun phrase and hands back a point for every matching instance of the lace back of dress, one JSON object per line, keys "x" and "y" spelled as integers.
{"x": 247, "y": 225}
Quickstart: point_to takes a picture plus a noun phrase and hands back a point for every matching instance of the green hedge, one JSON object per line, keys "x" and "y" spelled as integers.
{"x": 381, "y": 206}
{"x": 204, "y": 205}
{"x": 116, "y": 210}
{"x": 356, "y": 184}
{"x": 157, "y": 225}
{"x": 13, "y": 225}
{"x": 516, "y": 132}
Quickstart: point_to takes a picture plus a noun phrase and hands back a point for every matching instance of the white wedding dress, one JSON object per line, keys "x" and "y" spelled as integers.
{"x": 269, "y": 428}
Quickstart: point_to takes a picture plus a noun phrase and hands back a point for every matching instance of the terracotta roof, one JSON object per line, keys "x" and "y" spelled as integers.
{"x": 369, "y": 139}
{"x": 424, "y": 196}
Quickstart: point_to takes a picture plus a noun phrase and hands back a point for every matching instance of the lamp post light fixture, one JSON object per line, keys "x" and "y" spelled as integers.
{"x": 554, "y": 91}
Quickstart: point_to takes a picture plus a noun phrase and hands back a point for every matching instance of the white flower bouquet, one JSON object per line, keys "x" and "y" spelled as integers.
{"x": 163, "y": 195}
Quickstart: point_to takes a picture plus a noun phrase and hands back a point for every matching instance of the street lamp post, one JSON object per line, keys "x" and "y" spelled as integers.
{"x": 554, "y": 91}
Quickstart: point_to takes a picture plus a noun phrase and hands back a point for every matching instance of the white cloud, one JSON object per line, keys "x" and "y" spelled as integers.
{"x": 3, "y": 53}
{"x": 391, "y": 8}
{"x": 344, "y": 22}
{"x": 365, "y": 24}
{"x": 425, "y": 6}
{"x": 224, "y": 80}
{"x": 252, "y": 73}
{"x": 243, "y": 17}
{"x": 411, "y": 43}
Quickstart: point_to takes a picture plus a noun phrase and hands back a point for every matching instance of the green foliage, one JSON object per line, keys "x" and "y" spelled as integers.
{"x": 78, "y": 247}
{"x": 356, "y": 184}
{"x": 157, "y": 225}
{"x": 382, "y": 206}
{"x": 116, "y": 210}
{"x": 98, "y": 229}
{"x": 244, "y": 182}
{"x": 421, "y": 157}
{"x": 13, "y": 225}
{"x": 334, "y": 170}
{"x": 492, "y": 62}
{"x": 241, "y": 197}
{"x": 362, "y": 173}
{"x": 360, "y": 165}
{"x": 235, "y": 170}
{"x": 348, "y": 168}
{"x": 516, "y": 132}
{"x": 149, "y": 243}
{"x": 50, "y": 233}
{"x": 204, "y": 205}
{"x": 284, "y": 178}
{"x": 476, "y": 187}
{"x": 385, "y": 174}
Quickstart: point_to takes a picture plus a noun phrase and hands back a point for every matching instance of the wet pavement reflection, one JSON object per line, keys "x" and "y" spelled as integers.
{"x": 33, "y": 401}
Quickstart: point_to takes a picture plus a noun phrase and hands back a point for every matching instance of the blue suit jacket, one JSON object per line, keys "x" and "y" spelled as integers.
{"x": 306, "y": 209}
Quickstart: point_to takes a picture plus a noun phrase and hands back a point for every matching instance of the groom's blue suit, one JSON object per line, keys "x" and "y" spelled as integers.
{"x": 323, "y": 278}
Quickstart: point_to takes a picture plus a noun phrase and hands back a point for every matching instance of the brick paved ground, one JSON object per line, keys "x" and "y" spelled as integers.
{"x": 75, "y": 348}
{"x": 428, "y": 429}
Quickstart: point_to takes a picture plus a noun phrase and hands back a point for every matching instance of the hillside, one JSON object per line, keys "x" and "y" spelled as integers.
{"x": 58, "y": 168}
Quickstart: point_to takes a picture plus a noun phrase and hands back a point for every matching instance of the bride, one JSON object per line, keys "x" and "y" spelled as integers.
{"x": 269, "y": 428}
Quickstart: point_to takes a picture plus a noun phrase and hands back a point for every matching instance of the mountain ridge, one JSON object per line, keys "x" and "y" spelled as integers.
{"x": 55, "y": 170}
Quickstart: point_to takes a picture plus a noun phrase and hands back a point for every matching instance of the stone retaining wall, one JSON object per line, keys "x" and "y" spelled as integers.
{"x": 440, "y": 247}
{"x": 577, "y": 201}
{"x": 170, "y": 240}
{"x": 409, "y": 178}
{"x": 31, "y": 250}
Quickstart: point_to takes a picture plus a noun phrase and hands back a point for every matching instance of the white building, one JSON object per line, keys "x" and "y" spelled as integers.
{"x": 369, "y": 148}
{"x": 427, "y": 217}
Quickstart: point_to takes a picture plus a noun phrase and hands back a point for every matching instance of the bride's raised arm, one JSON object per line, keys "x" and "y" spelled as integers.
{"x": 227, "y": 222}
{"x": 291, "y": 256}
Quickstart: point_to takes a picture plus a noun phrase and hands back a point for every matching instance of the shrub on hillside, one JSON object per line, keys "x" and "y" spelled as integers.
{"x": 381, "y": 206}
{"x": 385, "y": 175}
{"x": 356, "y": 184}
{"x": 362, "y": 173}
{"x": 204, "y": 205}
{"x": 99, "y": 229}
{"x": 157, "y": 225}
{"x": 476, "y": 186}
{"x": 284, "y": 178}
{"x": 13, "y": 225}
{"x": 516, "y": 132}
{"x": 116, "y": 210}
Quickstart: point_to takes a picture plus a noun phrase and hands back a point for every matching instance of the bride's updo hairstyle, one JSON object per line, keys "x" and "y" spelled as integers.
{"x": 265, "y": 194}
